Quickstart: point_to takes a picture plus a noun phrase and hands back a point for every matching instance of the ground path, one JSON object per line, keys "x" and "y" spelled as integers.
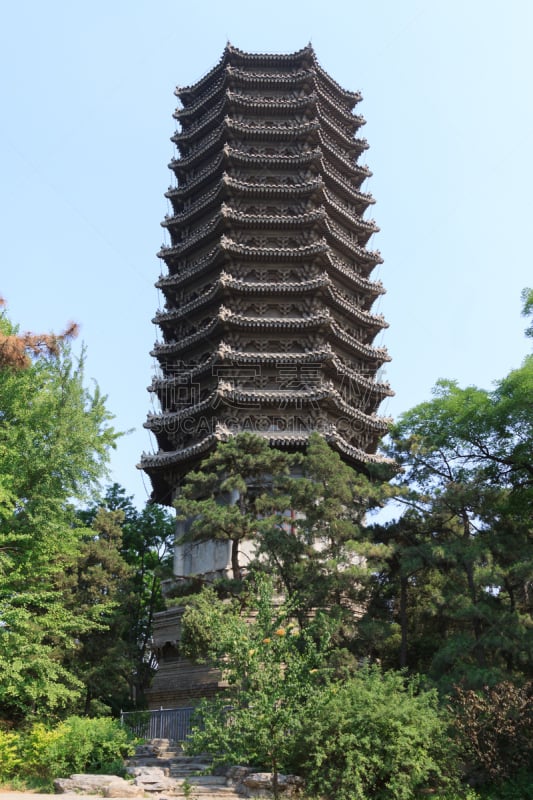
{"x": 37, "y": 796}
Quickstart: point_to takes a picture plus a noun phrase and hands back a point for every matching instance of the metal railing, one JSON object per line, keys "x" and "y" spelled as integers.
{"x": 165, "y": 723}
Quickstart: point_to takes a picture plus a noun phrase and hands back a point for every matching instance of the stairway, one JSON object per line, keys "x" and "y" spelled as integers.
{"x": 163, "y": 770}
{"x": 170, "y": 757}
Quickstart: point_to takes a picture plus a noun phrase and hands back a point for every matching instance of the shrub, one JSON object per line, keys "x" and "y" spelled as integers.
{"x": 375, "y": 735}
{"x": 10, "y": 755}
{"x": 78, "y": 744}
{"x": 41, "y": 751}
{"x": 519, "y": 787}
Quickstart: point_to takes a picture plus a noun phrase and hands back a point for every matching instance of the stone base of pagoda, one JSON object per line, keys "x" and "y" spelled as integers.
{"x": 210, "y": 560}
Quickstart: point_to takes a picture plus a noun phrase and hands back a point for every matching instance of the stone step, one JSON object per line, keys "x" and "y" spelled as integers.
{"x": 183, "y": 759}
{"x": 149, "y": 761}
{"x": 183, "y": 774}
{"x": 204, "y": 780}
{"x": 188, "y": 773}
{"x": 190, "y": 765}
{"x": 169, "y": 760}
{"x": 207, "y": 792}
{"x": 220, "y": 794}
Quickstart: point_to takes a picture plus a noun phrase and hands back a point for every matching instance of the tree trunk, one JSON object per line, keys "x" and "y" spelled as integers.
{"x": 275, "y": 778}
{"x": 403, "y": 621}
{"x": 235, "y": 566}
{"x": 469, "y": 570}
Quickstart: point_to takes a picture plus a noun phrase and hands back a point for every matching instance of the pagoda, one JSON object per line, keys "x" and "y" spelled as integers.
{"x": 267, "y": 325}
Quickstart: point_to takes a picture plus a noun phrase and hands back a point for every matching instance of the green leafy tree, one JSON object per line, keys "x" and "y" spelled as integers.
{"x": 148, "y": 547}
{"x": 527, "y": 309}
{"x": 284, "y": 708}
{"x": 270, "y": 667}
{"x": 98, "y": 588}
{"x": 143, "y": 544}
{"x": 55, "y": 438}
{"x": 392, "y": 610}
{"x": 466, "y": 457}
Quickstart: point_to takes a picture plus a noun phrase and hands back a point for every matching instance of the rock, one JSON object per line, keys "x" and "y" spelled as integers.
{"x": 122, "y": 788}
{"x": 259, "y": 784}
{"x": 106, "y": 785}
{"x": 237, "y": 774}
{"x": 150, "y": 773}
{"x": 154, "y": 748}
{"x": 152, "y": 779}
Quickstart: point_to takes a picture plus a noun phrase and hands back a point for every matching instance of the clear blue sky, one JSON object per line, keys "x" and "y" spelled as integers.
{"x": 86, "y": 102}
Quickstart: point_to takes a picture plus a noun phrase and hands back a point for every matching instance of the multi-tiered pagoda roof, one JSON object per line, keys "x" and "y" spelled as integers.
{"x": 267, "y": 325}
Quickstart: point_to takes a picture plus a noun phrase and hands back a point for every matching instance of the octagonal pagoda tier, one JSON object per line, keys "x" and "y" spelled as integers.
{"x": 267, "y": 325}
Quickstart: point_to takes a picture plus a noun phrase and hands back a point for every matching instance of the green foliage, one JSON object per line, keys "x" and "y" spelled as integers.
{"x": 459, "y": 568}
{"x": 77, "y": 590}
{"x": 304, "y": 513}
{"x": 518, "y": 787}
{"x": 321, "y": 554}
{"x": 375, "y": 735}
{"x": 242, "y": 477}
{"x": 144, "y": 552}
{"x": 270, "y": 667}
{"x": 98, "y": 587}
{"x": 366, "y": 735}
{"x": 527, "y": 308}
{"x": 54, "y": 442}
{"x": 43, "y": 753}
{"x": 76, "y": 745}
{"x": 148, "y": 547}
{"x": 90, "y": 650}
{"x": 10, "y": 755}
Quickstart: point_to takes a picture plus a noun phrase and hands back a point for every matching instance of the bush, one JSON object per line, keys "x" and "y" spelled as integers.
{"x": 519, "y": 787}
{"x": 78, "y": 744}
{"x": 375, "y": 735}
{"x": 10, "y": 755}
